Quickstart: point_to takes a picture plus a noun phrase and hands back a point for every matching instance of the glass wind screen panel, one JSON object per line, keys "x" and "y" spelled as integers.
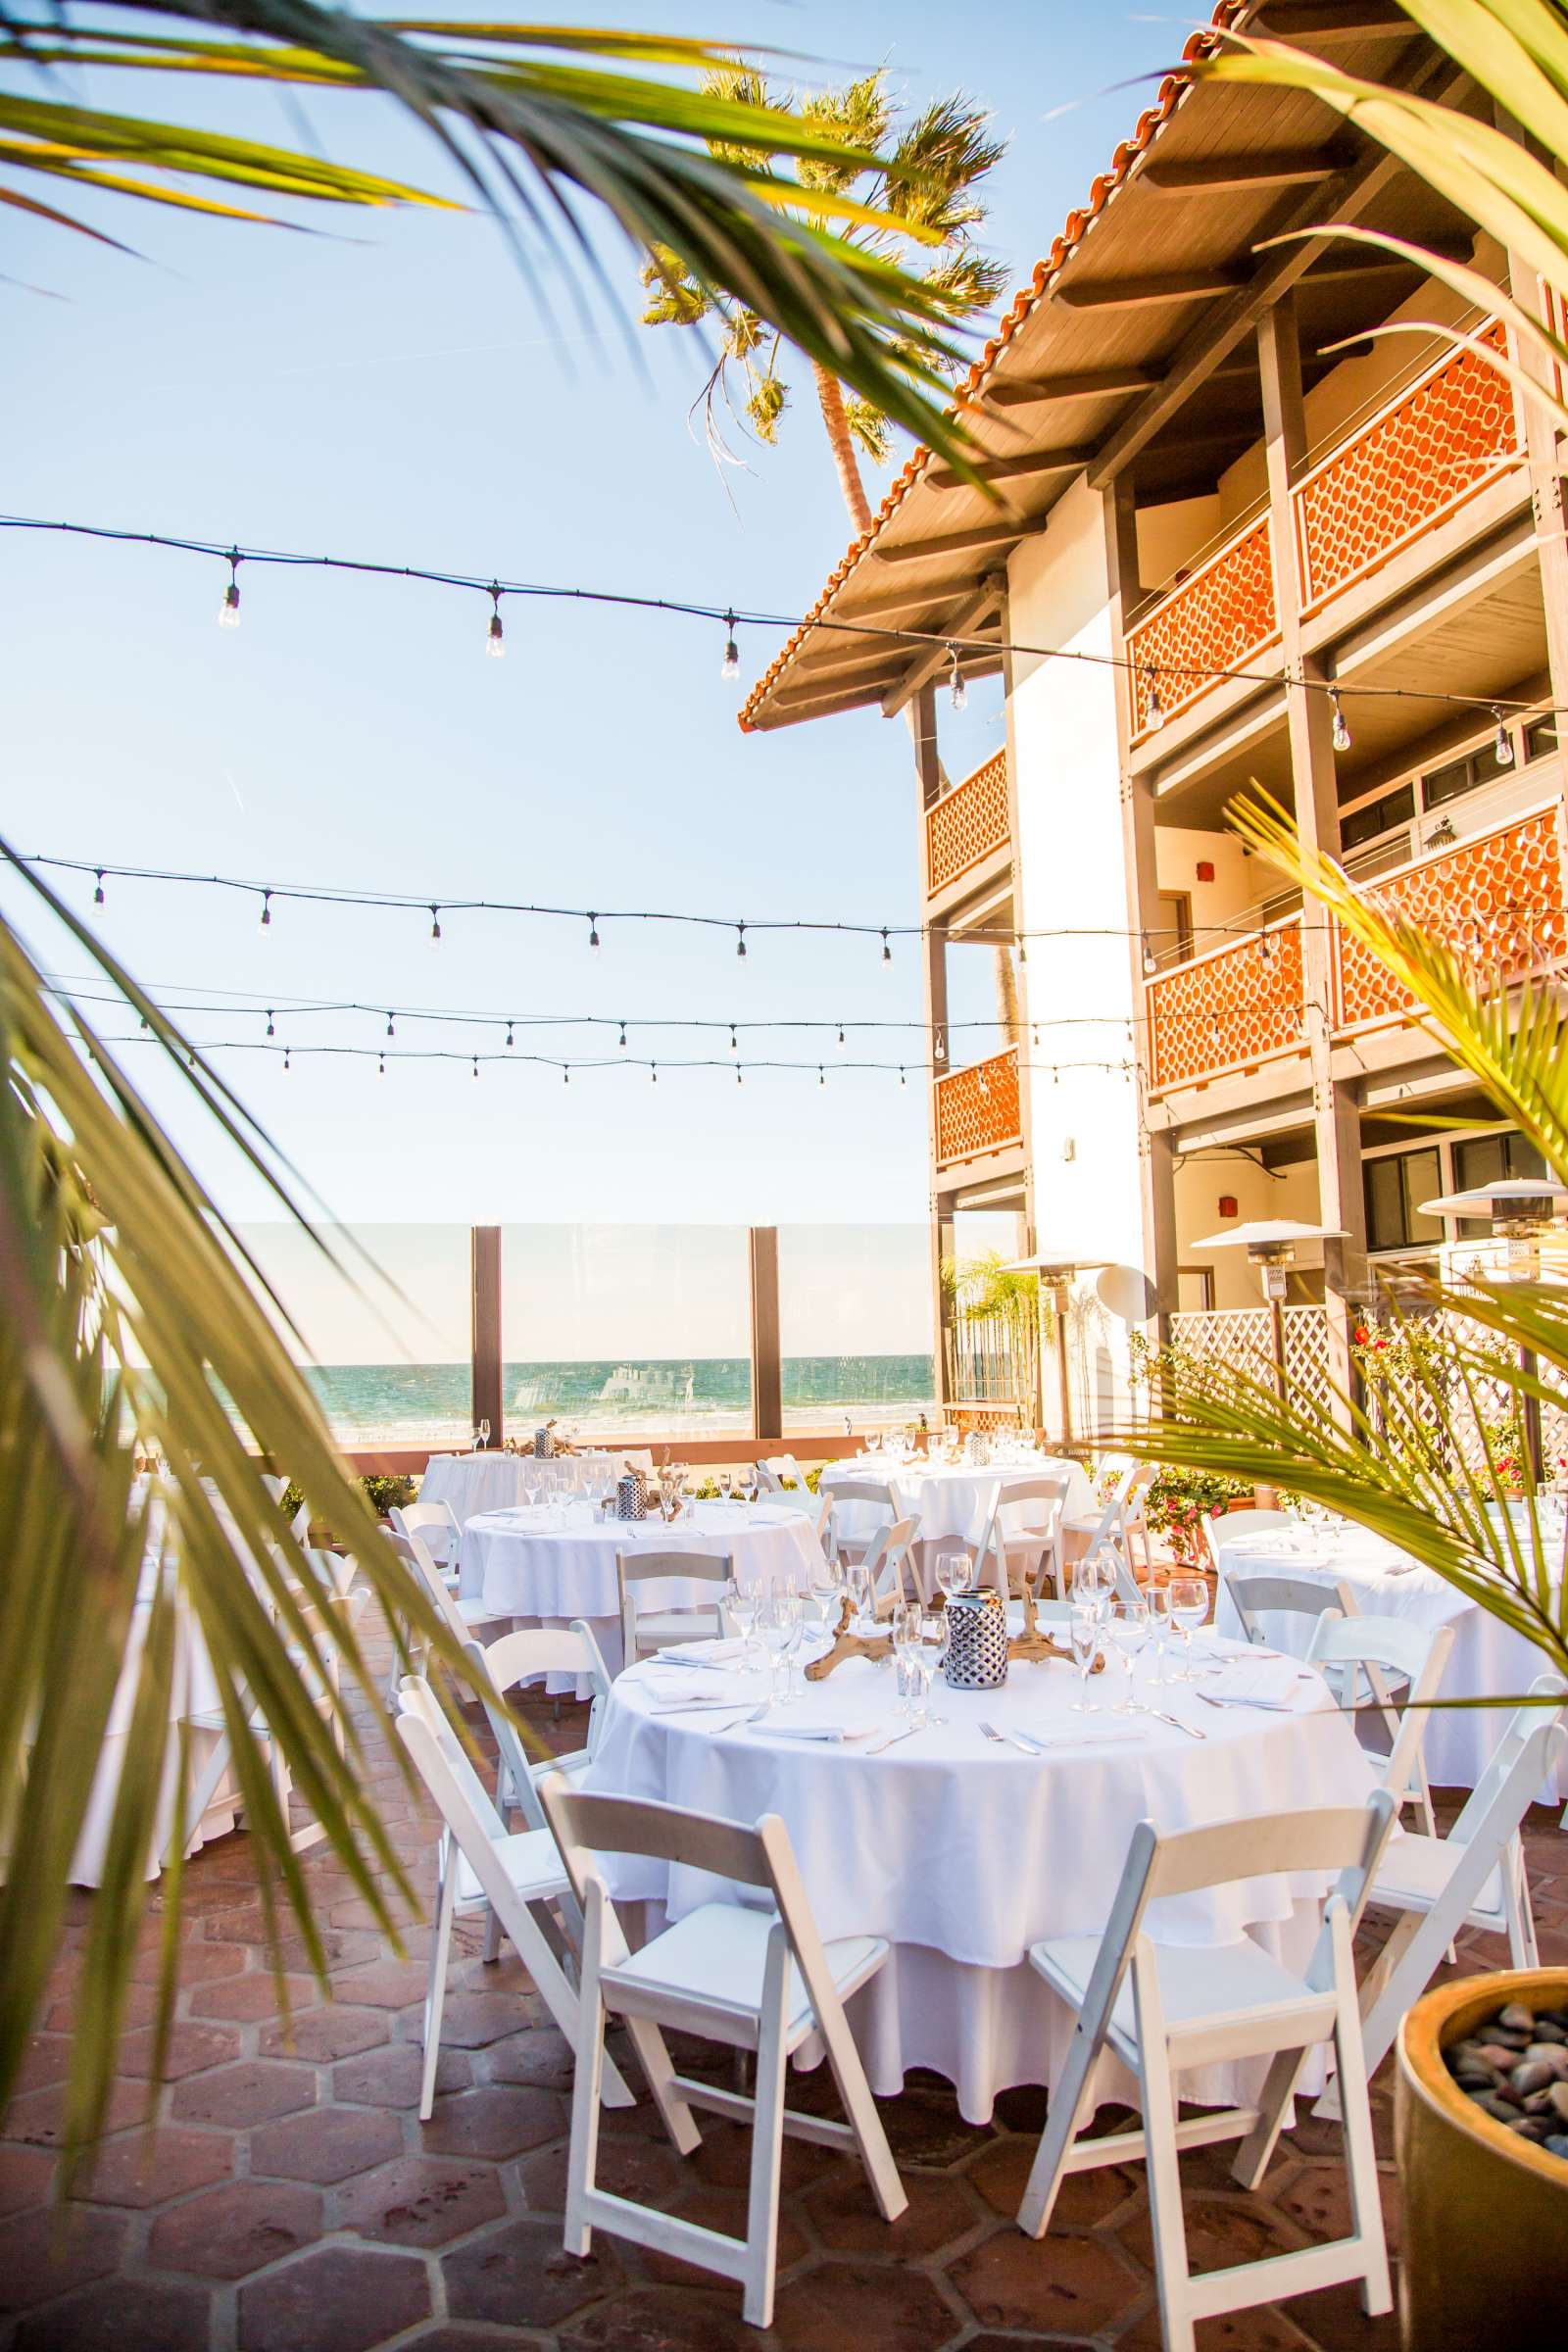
{"x": 616, "y": 1329}
{"x": 386, "y": 1343}
{"x": 854, "y": 1325}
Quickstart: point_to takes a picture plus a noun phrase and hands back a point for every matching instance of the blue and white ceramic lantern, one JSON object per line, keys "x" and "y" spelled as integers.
{"x": 977, "y": 1640}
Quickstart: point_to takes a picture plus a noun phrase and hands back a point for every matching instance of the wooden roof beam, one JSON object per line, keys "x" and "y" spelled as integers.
{"x": 1318, "y": 20}
{"x": 1211, "y": 340}
{"x": 1147, "y": 293}
{"x": 954, "y": 543}
{"x": 808, "y": 701}
{"x": 932, "y": 659}
{"x": 1042, "y": 390}
{"x": 1011, "y": 469}
{"x": 1233, "y": 175}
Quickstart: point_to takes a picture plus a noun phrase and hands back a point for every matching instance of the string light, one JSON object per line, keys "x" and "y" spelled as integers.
{"x": 740, "y": 939}
{"x": 1154, "y": 714}
{"x": 821, "y": 1075}
{"x": 285, "y": 1058}
{"x": 939, "y": 1051}
{"x": 887, "y": 952}
{"x": 740, "y": 1075}
{"x": 653, "y": 1072}
{"x": 841, "y": 1037}
{"x": 98, "y": 894}
{"x": 391, "y": 1032}
{"x": 1502, "y": 745}
{"x": 511, "y": 1041}
{"x": 957, "y": 691}
{"x": 495, "y": 643}
{"x": 1150, "y": 960}
{"x": 592, "y": 931}
{"x": 229, "y": 609}
{"x": 730, "y": 665}
{"x": 565, "y": 1073}
{"x": 734, "y": 1041}
{"x": 1265, "y": 950}
{"x": 621, "y": 1039}
{"x": 901, "y": 1074}
{"x": 266, "y": 908}
{"x": 435, "y": 923}
{"x": 381, "y": 1065}
{"x": 272, "y": 1031}
{"x": 1341, "y": 734}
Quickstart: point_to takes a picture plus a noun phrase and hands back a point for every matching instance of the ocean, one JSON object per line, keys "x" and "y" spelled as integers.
{"x": 411, "y": 1404}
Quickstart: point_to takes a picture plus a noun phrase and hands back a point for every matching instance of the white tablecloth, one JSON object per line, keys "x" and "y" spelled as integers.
{"x": 525, "y": 1565}
{"x": 494, "y": 1480}
{"x": 963, "y": 1853}
{"x": 1488, "y": 1658}
{"x": 945, "y": 1498}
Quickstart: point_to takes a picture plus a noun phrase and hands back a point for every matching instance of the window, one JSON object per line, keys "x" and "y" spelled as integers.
{"x": 1477, "y": 768}
{"x": 1541, "y": 739}
{"x": 1394, "y": 1187}
{"x": 1489, "y": 1160}
{"x": 1378, "y": 817}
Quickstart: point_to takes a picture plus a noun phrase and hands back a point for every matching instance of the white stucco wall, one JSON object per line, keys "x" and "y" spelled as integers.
{"x": 1204, "y": 1180}
{"x": 1085, "y": 1167}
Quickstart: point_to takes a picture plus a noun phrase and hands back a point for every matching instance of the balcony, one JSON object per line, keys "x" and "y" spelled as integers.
{"x": 1499, "y": 901}
{"x": 968, "y": 826}
{"x": 976, "y": 1110}
{"x": 1399, "y": 475}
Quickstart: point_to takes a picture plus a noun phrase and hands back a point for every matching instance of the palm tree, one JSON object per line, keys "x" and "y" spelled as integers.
{"x": 921, "y": 205}
{"x": 134, "y": 1328}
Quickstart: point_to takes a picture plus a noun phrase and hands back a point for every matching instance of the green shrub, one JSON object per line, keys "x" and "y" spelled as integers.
{"x": 382, "y": 1493}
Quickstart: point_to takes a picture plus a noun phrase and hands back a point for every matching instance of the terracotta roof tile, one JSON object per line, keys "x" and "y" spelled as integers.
{"x": 1171, "y": 92}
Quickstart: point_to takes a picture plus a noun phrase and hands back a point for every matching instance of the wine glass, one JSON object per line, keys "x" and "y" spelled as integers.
{"x": 1088, "y": 1642}
{"x": 484, "y": 1434}
{"x": 907, "y": 1616}
{"x": 1189, "y": 1607}
{"x": 740, "y": 1610}
{"x": 928, "y": 1650}
{"x": 955, "y": 1572}
{"x": 726, "y": 1483}
{"x": 1129, "y": 1627}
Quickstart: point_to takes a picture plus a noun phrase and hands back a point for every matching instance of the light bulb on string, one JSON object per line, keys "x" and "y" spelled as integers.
{"x": 391, "y": 1032}
{"x": 565, "y": 1073}
{"x": 841, "y": 1038}
{"x": 592, "y": 931}
{"x": 285, "y": 1058}
{"x": 98, "y": 893}
{"x": 734, "y": 1041}
{"x": 510, "y": 1039}
{"x": 653, "y": 1072}
{"x": 902, "y": 1080}
{"x": 957, "y": 691}
{"x": 887, "y": 952}
{"x": 1150, "y": 960}
{"x": 939, "y": 1051}
{"x": 267, "y": 910}
{"x": 476, "y": 1065}
{"x": 730, "y": 666}
{"x": 435, "y": 923}
{"x": 621, "y": 1039}
{"x": 1265, "y": 949}
{"x": 740, "y": 1074}
{"x": 271, "y": 1029}
{"x": 740, "y": 942}
{"x": 1502, "y": 745}
{"x": 229, "y": 609}
{"x": 495, "y": 643}
{"x": 1341, "y": 736}
{"x": 1154, "y": 713}
{"x": 821, "y": 1075}
{"x": 1022, "y": 946}
{"x": 381, "y": 1065}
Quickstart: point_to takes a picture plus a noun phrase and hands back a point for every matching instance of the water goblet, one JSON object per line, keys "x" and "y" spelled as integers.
{"x": 928, "y": 1650}
{"x": 955, "y": 1572}
{"x": 906, "y": 1651}
{"x": 484, "y": 1433}
{"x": 1129, "y": 1628}
{"x": 1088, "y": 1642}
{"x": 740, "y": 1610}
{"x": 1188, "y": 1609}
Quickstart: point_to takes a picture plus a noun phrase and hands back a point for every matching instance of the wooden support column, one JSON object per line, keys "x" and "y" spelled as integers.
{"x": 1336, "y": 1109}
{"x": 1156, "y": 1164}
{"x": 934, "y": 979}
{"x": 767, "y": 1370}
{"x": 1540, "y": 429}
{"x": 1026, "y": 1238}
{"x": 484, "y": 1324}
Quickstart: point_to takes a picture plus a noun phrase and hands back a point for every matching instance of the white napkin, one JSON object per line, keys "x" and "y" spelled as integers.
{"x": 1256, "y": 1682}
{"x": 690, "y": 1691}
{"x": 726, "y": 1652}
{"x": 816, "y": 1730}
{"x": 1092, "y": 1734}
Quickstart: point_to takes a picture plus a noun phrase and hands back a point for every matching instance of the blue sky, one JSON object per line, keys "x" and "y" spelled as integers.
{"x": 402, "y": 397}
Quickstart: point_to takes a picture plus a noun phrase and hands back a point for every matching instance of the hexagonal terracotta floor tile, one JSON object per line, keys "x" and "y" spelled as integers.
{"x": 500, "y": 2120}
{"x": 664, "y": 2318}
{"x": 647, "y": 2171}
{"x": 470, "y": 2020}
{"x": 336, "y": 2299}
{"x": 324, "y": 2034}
{"x": 232, "y": 2231}
{"x": 1058, "y": 2285}
{"x": 384, "y": 1985}
{"x": 1001, "y": 2173}
{"x": 252, "y": 2092}
{"x": 541, "y": 2057}
{"x": 26, "y": 2178}
{"x": 160, "y": 2317}
{"x": 42, "y": 2259}
{"x": 39, "y": 2117}
{"x": 245, "y": 1999}
{"x": 147, "y": 2168}
{"x": 517, "y": 2275}
{"x": 421, "y": 2201}
{"x": 839, "y": 2303}
{"x": 846, "y": 2217}
{"x": 390, "y": 2077}
{"x": 326, "y": 2145}
{"x": 189, "y": 2050}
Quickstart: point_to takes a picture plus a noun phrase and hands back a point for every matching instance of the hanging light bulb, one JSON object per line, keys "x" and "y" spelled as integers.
{"x": 821, "y": 1075}
{"x": 435, "y": 922}
{"x": 391, "y": 1032}
{"x": 592, "y": 931}
{"x": 1265, "y": 951}
{"x": 1024, "y": 948}
{"x": 1034, "y": 1037}
{"x": 841, "y": 1037}
{"x": 381, "y": 1065}
{"x": 229, "y": 609}
{"x": 495, "y": 643}
{"x": 939, "y": 1051}
{"x": 730, "y": 666}
{"x": 622, "y": 1039}
{"x": 565, "y": 1073}
{"x": 653, "y": 1071}
{"x": 901, "y": 1074}
{"x": 476, "y": 1065}
{"x": 740, "y": 1075}
{"x": 1150, "y": 961}
{"x": 957, "y": 691}
{"x": 285, "y": 1058}
{"x": 266, "y": 908}
{"x": 1342, "y": 732}
{"x": 271, "y": 1028}
{"x": 1503, "y": 744}
{"x": 98, "y": 893}
{"x": 887, "y": 952}
{"x": 1154, "y": 714}
{"x": 734, "y": 1041}
{"x": 511, "y": 1041}
{"x": 739, "y": 945}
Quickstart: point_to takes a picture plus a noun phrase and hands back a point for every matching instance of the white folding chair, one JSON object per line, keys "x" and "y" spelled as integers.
{"x": 1387, "y": 1651}
{"x": 785, "y": 1475}
{"x": 1473, "y": 1877}
{"x": 277, "y": 1488}
{"x": 300, "y": 1526}
{"x": 466, "y": 1619}
{"x": 756, "y": 1978}
{"x": 643, "y": 1630}
{"x": 1113, "y": 1526}
{"x": 1162, "y": 2008}
{"x": 1035, "y": 1547}
{"x": 845, "y": 1495}
{"x": 519, "y": 1875}
{"x": 1260, "y": 1594}
{"x": 888, "y": 1564}
{"x": 519, "y": 1658}
{"x": 437, "y": 1523}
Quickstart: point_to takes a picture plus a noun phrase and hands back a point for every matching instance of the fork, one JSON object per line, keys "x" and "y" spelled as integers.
{"x": 1007, "y": 1739}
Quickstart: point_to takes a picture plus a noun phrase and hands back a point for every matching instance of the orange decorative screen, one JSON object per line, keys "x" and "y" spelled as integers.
{"x": 964, "y": 826}
{"x": 1230, "y": 1008}
{"x": 1403, "y": 470}
{"x": 977, "y": 1108}
{"x": 1497, "y": 902}
{"x": 1217, "y": 619}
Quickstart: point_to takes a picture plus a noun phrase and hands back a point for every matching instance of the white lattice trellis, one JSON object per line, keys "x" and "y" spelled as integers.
{"x": 1242, "y": 1337}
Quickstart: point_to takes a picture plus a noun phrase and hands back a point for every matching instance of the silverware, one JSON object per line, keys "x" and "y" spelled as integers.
{"x": 1175, "y": 1720}
{"x": 893, "y": 1740}
{"x": 1010, "y": 1738}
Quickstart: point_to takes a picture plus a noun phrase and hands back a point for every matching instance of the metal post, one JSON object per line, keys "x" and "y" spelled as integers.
{"x": 485, "y": 1385}
{"x": 767, "y": 1370}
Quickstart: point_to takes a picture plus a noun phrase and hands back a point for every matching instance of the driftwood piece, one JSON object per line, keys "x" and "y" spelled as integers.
{"x": 1034, "y": 1646}
{"x": 847, "y": 1646}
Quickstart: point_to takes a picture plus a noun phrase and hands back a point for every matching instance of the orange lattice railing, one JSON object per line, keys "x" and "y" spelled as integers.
{"x": 1217, "y": 619}
{"x": 1237, "y": 1006}
{"x": 1498, "y": 901}
{"x": 976, "y": 1110}
{"x": 967, "y": 824}
{"x": 1426, "y": 452}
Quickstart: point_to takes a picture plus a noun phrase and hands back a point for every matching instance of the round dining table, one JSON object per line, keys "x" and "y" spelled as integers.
{"x": 1487, "y": 1661}
{"x": 963, "y": 1850}
{"x": 946, "y": 1497}
{"x": 546, "y": 1563}
{"x": 495, "y": 1480}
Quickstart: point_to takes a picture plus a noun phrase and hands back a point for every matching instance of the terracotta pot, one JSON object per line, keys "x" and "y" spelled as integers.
{"x": 1485, "y": 2253}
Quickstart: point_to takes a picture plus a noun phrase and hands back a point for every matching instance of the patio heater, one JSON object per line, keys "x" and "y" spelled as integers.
{"x": 1519, "y": 1209}
{"x": 1056, "y": 1277}
{"x": 1271, "y": 1246}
